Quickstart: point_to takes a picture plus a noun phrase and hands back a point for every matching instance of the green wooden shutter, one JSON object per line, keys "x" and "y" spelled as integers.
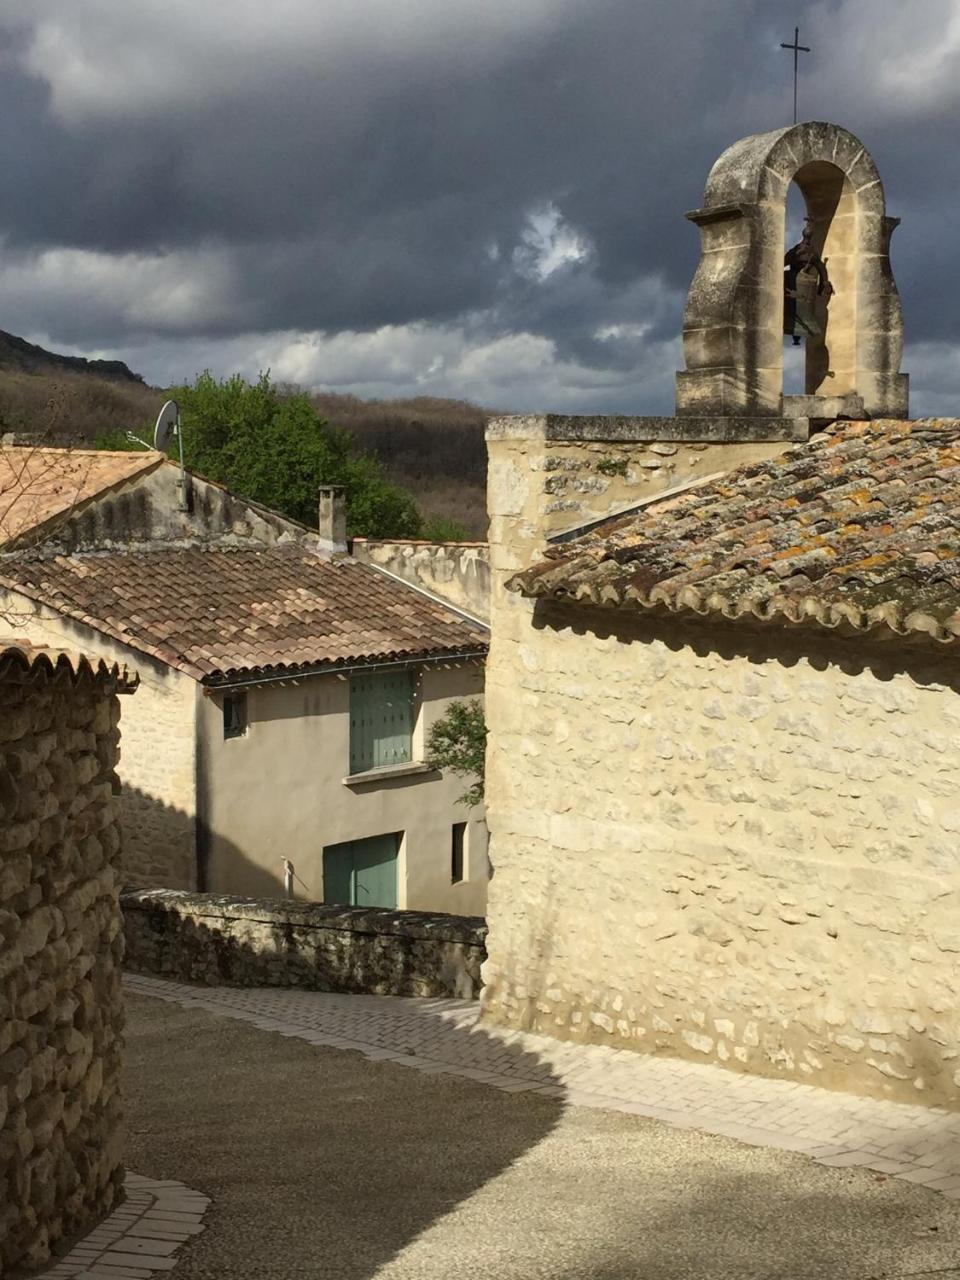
{"x": 381, "y": 720}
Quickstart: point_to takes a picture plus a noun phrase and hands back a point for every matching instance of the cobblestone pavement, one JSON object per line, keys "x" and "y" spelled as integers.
{"x": 917, "y": 1144}
{"x": 140, "y": 1239}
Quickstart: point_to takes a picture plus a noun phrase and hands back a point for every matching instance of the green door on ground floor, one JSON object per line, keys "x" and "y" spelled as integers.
{"x": 362, "y": 873}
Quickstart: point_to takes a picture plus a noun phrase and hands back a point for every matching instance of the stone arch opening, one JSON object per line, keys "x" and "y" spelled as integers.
{"x": 794, "y": 357}
{"x": 830, "y": 349}
{"x": 734, "y": 319}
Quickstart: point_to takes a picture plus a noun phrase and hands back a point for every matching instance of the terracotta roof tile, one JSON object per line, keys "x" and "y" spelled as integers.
{"x": 38, "y": 485}
{"x": 23, "y": 659}
{"x": 860, "y": 526}
{"x": 219, "y": 612}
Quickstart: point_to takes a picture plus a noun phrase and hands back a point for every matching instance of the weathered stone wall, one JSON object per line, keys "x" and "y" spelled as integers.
{"x": 158, "y": 769}
{"x": 458, "y": 572}
{"x": 544, "y": 479}
{"x": 727, "y": 846}
{"x": 60, "y": 1006}
{"x": 146, "y": 511}
{"x": 253, "y": 942}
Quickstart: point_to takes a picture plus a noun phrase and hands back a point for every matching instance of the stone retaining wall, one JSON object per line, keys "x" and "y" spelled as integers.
{"x": 201, "y": 937}
{"x": 61, "y": 1135}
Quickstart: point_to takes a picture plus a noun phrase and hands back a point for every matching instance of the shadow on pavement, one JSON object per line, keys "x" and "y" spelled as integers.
{"x": 323, "y": 1163}
{"x": 319, "y": 1162}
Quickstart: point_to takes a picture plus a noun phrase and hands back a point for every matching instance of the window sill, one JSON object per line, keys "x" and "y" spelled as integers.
{"x": 387, "y": 773}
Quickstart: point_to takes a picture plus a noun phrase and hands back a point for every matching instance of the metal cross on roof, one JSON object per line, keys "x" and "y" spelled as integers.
{"x": 797, "y": 48}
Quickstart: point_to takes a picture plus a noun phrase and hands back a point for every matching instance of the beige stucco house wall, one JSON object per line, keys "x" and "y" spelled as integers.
{"x": 202, "y": 811}
{"x": 733, "y": 845}
{"x": 208, "y": 812}
{"x": 279, "y": 791}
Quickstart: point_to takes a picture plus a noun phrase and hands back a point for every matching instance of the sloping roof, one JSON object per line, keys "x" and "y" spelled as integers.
{"x": 38, "y": 485}
{"x": 23, "y": 659}
{"x": 860, "y": 526}
{"x": 219, "y": 612}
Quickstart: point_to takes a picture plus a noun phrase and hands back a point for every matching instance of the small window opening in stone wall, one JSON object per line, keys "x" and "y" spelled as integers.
{"x": 457, "y": 849}
{"x": 234, "y": 715}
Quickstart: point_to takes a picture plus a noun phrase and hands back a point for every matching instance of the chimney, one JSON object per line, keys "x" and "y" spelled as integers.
{"x": 333, "y": 520}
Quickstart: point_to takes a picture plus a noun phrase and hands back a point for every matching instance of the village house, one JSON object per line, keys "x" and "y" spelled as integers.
{"x": 287, "y": 690}
{"x": 723, "y": 787}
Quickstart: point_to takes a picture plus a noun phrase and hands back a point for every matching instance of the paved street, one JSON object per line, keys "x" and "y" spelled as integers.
{"x": 503, "y": 1156}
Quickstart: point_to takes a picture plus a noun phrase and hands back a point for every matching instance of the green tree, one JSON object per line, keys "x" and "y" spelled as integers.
{"x": 443, "y": 529}
{"x": 458, "y": 741}
{"x": 275, "y": 449}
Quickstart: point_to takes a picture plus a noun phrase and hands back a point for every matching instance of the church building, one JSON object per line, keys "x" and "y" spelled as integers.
{"x": 723, "y": 787}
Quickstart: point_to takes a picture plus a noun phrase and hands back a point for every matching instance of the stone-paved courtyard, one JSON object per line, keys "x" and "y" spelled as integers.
{"x": 324, "y": 1154}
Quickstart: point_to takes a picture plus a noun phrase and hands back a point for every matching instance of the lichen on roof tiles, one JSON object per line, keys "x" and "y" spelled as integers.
{"x": 859, "y": 525}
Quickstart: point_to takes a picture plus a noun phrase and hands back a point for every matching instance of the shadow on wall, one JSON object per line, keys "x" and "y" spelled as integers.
{"x": 728, "y": 640}
{"x": 164, "y": 847}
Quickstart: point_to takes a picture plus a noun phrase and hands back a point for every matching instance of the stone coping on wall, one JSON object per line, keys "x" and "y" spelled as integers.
{"x": 416, "y": 925}
{"x": 253, "y": 942}
{"x": 439, "y": 543}
{"x": 626, "y": 428}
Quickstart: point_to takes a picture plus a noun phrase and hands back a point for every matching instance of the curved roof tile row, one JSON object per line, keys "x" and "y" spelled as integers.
{"x": 859, "y": 526}
{"x": 23, "y": 659}
{"x": 217, "y": 613}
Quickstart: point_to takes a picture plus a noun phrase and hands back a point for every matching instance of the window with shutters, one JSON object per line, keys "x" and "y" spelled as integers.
{"x": 381, "y": 720}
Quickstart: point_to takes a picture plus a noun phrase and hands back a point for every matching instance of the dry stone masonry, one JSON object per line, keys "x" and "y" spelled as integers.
{"x": 204, "y": 937}
{"x": 61, "y": 1129}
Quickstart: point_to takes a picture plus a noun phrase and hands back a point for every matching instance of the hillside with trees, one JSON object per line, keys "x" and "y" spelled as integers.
{"x": 431, "y": 449}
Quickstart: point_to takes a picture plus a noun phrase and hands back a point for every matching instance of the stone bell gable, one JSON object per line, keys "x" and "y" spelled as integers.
{"x": 722, "y": 691}
{"x": 732, "y": 330}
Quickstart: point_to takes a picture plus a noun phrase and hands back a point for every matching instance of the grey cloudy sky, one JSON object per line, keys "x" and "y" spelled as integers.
{"x": 477, "y": 198}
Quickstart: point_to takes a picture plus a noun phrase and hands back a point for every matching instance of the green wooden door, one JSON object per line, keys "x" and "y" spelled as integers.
{"x": 362, "y": 873}
{"x": 338, "y": 875}
{"x": 375, "y": 872}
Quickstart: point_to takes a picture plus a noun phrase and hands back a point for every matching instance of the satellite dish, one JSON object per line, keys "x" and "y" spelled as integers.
{"x": 168, "y": 424}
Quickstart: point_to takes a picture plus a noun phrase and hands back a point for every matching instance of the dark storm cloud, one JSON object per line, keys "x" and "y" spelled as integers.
{"x": 350, "y": 171}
